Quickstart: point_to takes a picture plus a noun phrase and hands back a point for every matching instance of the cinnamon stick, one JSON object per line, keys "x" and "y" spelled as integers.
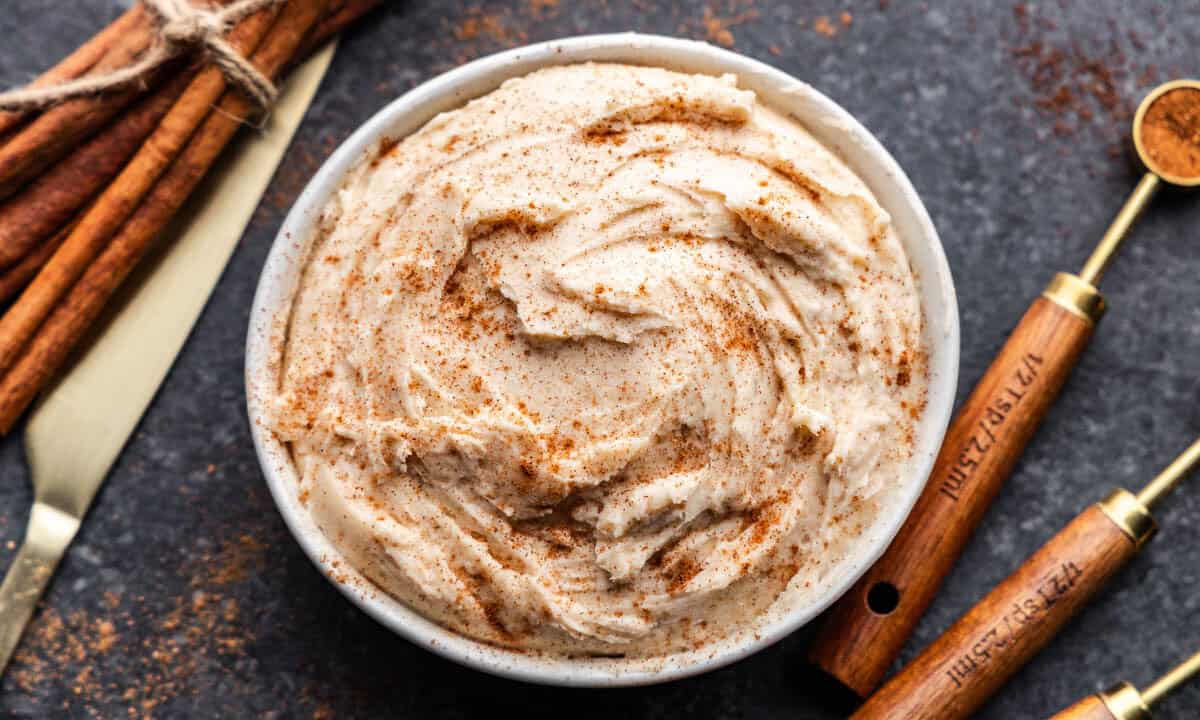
{"x": 79, "y": 62}
{"x": 14, "y": 279}
{"x": 41, "y": 208}
{"x": 52, "y": 134}
{"x": 119, "y": 200}
{"x": 71, "y": 319}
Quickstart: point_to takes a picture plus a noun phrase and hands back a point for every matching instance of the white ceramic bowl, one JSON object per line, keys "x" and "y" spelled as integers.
{"x": 826, "y": 120}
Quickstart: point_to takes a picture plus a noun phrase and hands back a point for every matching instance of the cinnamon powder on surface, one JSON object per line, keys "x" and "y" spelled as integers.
{"x": 1170, "y": 132}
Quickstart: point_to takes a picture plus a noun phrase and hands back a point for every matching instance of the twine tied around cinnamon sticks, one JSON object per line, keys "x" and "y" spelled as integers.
{"x": 182, "y": 27}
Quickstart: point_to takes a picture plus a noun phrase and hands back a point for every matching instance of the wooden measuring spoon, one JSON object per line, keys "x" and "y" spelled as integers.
{"x": 866, "y": 629}
{"x": 960, "y": 670}
{"x": 1123, "y": 701}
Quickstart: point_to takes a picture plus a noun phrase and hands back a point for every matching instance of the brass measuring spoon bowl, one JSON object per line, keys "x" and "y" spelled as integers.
{"x": 1155, "y": 176}
{"x": 1139, "y": 139}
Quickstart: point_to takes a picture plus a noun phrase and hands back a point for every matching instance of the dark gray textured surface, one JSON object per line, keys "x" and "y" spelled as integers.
{"x": 215, "y": 612}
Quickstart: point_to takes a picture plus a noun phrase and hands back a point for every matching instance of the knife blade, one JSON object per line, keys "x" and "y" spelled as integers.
{"x": 80, "y": 426}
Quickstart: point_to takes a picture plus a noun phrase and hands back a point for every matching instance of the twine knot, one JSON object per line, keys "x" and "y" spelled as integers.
{"x": 189, "y": 28}
{"x": 181, "y": 27}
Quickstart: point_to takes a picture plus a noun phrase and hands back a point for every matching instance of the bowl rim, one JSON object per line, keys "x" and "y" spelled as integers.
{"x": 406, "y": 114}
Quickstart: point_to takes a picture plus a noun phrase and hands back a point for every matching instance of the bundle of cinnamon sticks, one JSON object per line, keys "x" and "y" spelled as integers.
{"x": 87, "y": 185}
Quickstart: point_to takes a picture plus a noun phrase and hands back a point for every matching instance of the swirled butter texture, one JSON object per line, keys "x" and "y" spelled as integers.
{"x": 608, "y": 361}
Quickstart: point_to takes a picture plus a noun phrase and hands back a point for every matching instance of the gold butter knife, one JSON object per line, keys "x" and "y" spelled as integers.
{"x": 80, "y": 426}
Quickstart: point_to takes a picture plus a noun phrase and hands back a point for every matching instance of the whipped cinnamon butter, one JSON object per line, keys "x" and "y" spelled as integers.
{"x": 608, "y": 361}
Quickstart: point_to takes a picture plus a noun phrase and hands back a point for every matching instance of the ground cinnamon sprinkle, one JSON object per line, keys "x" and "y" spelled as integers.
{"x": 717, "y": 27}
{"x": 1080, "y": 86}
{"x": 824, "y": 27}
{"x": 201, "y": 631}
{"x": 1170, "y": 132}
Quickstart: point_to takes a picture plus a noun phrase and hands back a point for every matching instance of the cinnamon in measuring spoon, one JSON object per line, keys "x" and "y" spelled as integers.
{"x": 1171, "y": 133}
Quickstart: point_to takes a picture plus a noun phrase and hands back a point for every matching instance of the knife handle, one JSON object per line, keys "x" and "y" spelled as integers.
{"x": 49, "y": 534}
{"x": 866, "y": 629}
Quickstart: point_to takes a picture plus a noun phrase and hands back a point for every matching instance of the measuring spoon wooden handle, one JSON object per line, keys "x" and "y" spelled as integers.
{"x": 960, "y": 670}
{"x": 1089, "y": 708}
{"x": 866, "y": 629}
{"x": 1120, "y": 702}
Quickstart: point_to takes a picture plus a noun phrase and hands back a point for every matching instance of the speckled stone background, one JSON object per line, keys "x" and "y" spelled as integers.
{"x": 184, "y": 595}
